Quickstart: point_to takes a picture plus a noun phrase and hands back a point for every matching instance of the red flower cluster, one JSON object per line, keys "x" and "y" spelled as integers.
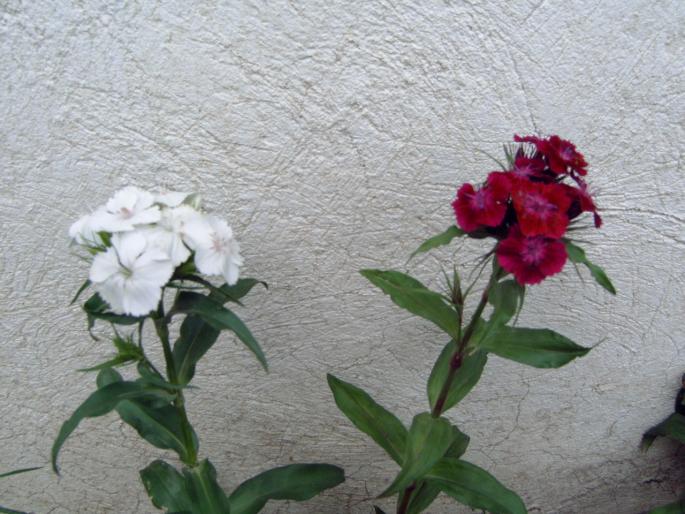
{"x": 528, "y": 208}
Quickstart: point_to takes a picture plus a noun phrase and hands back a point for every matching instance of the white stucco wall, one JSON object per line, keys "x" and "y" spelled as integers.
{"x": 333, "y": 136}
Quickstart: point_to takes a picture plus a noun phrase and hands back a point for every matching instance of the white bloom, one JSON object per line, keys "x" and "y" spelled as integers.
{"x": 171, "y": 234}
{"x": 130, "y": 274}
{"x": 126, "y": 209}
{"x": 171, "y": 198}
{"x": 83, "y": 232}
{"x": 216, "y": 251}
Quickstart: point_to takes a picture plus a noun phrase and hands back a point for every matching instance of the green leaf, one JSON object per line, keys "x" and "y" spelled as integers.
{"x": 428, "y": 441}
{"x": 161, "y": 426}
{"x": 541, "y": 348}
{"x": 442, "y": 239}
{"x": 412, "y": 295}
{"x": 506, "y": 298}
{"x": 5, "y": 510}
{"x": 577, "y": 254}
{"x": 672, "y": 508}
{"x": 204, "y": 492}
{"x": 99, "y": 403}
{"x": 378, "y": 510}
{"x": 475, "y": 487}
{"x": 294, "y": 482}
{"x": 96, "y": 308}
{"x": 673, "y": 427}
{"x": 465, "y": 379}
{"x": 18, "y": 471}
{"x": 83, "y": 287}
{"x": 369, "y": 417}
{"x": 218, "y": 317}
{"x": 195, "y": 339}
{"x": 166, "y": 487}
{"x": 459, "y": 444}
{"x": 423, "y": 496}
{"x": 237, "y": 291}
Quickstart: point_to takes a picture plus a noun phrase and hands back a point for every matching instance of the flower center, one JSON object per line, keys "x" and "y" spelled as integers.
{"x": 538, "y": 205}
{"x": 533, "y": 251}
{"x": 479, "y": 199}
{"x": 220, "y": 244}
{"x": 126, "y": 213}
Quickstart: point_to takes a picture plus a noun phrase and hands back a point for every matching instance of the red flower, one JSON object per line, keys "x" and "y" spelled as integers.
{"x": 581, "y": 201}
{"x": 528, "y": 167}
{"x": 541, "y": 209}
{"x": 485, "y": 206}
{"x": 530, "y": 259}
{"x": 559, "y": 153}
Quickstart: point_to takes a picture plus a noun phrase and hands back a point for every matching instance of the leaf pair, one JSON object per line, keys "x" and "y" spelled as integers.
{"x": 113, "y": 392}
{"x": 428, "y": 454}
{"x": 196, "y": 491}
{"x": 206, "y": 318}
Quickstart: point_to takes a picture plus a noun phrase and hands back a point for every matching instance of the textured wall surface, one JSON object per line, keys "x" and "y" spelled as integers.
{"x": 332, "y": 135}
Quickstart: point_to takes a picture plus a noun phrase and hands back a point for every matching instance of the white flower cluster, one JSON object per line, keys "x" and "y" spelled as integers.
{"x": 139, "y": 239}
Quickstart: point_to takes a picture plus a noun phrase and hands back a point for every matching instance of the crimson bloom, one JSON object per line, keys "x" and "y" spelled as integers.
{"x": 561, "y": 155}
{"x": 581, "y": 201}
{"x": 530, "y": 259}
{"x": 541, "y": 209}
{"x": 485, "y": 206}
{"x": 527, "y": 167}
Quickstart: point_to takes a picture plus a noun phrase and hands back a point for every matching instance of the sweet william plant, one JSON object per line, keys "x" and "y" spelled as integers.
{"x": 531, "y": 211}
{"x": 140, "y": 246}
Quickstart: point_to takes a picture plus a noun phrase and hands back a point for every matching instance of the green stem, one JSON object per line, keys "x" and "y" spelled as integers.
{"x": 406, "y": 497}
{"x": 162, "y": 328}
{"x": 458, "y": 357}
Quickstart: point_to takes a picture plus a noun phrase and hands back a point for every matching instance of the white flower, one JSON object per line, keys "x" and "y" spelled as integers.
{"x": 130, "y": 274}
{"x": 126, "y": 209}
{"x": 216, "y": 251}
{"x": 83, "y": 232}
{"x": 170, "y": 234}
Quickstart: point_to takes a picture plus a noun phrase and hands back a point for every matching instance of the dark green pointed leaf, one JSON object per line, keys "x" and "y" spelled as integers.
{"x": 99, "y": 403}
{"x": 18, "y": 471}
{"x": 195, "y": 339}
{"x": 160, "y": 425}
{"x": 466, "y": 378}
{"x": 96, "y": 308}
{"x": 412, "y": 295}
{"x": 369, "y": 417}
{"x": 83, "y": 287}
{"x": 442, "y": 239}
{"x": 294, "y": 482}
{"x": 378, "y": 510}
{"x": 459, "y": 444}
{"x": 424, "y": 494}
{"x": 672, "y": 508}
{"x": 237, "y": 291}
{"x": 541, "y": 348}
{"x": 5, "y": 510}
{"x": 428, "y": 441}
{"x": 166, "y": 487}
{"x": 673, "y": 427}
{"x": 218, "y": 317}
{"x": 119, "y": 360}
{"x": 577, "y": 254}
{"x": 204, "y": 493}
{"x": 475, "y": 487}
{"x": 506, "y": 298}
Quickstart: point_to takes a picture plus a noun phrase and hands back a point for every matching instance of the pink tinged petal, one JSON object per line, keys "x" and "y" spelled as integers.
{"x": 125, "y": 198}
{"x": 209, "y": 261}
{"x": 105, "y": 265}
